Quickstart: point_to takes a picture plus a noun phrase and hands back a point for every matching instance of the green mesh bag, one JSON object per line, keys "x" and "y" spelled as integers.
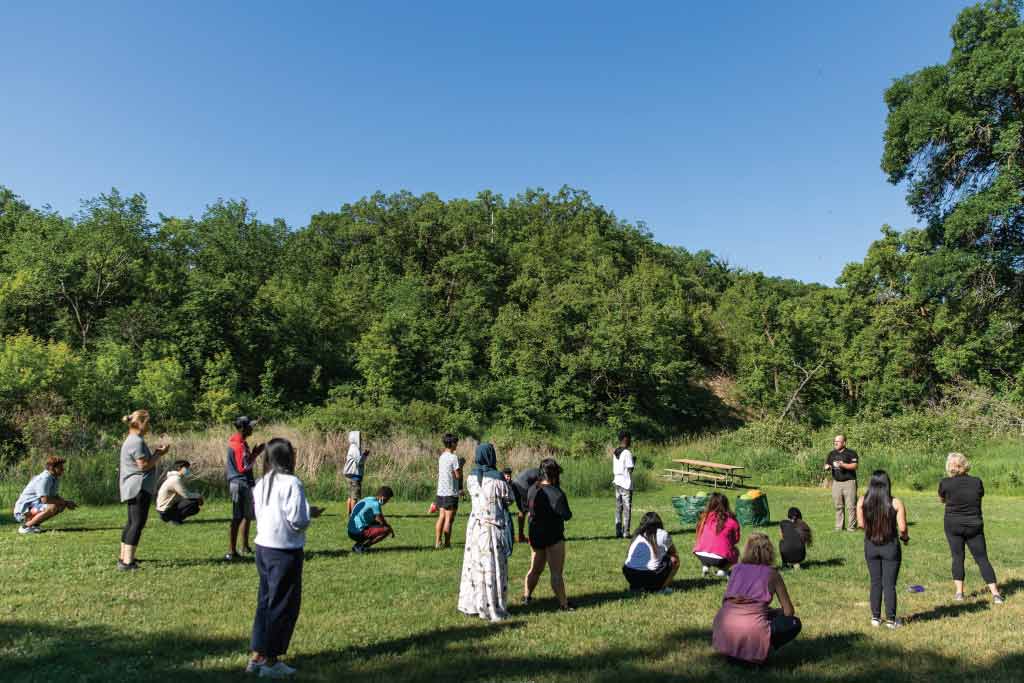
{"x": 753, "y": 512}
{"x": 688, "y": 508}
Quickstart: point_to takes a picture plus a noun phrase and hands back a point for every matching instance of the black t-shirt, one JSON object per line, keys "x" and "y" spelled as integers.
{"x": 791, "y": 538}
{"x": 962, "y": 495}
{"x": 849, "y": 457}
{"x": 549, "y": 511}
{"x": 524, "y": 480}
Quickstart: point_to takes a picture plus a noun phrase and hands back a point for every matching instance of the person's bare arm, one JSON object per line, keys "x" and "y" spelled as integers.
{"x": 860, "y": 512}
{"x": 778, "y": 586}
{"x": 901, "y": 519}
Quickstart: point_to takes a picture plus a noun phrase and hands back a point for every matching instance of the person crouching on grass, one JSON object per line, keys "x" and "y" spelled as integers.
{"x": 652, "y": 560}
{"x": 282, "y": 516}
{"x": 41, "y": 500}
{"x": 746, "y": 627}
{"x": 366, "y": 525}
{"x": 718, "y": 533}
{"x": 174, "y": 502}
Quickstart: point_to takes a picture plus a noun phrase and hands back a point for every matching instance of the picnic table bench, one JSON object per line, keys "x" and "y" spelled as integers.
{"x": 705, "y": 472}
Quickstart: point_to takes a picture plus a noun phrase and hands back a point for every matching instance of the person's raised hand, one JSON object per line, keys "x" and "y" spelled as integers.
{"x": 162, "y": 449}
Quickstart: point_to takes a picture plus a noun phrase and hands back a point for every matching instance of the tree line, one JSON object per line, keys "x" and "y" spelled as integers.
{"x": 535, "y": 309}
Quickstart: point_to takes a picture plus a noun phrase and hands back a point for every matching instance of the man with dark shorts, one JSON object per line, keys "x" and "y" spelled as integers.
{"x": 520, "y": 488}
{"x": 241, "y": 482}
{"x": 366, "y": 525}
{"x": 449, "y": 474}
{"x": 842, "y": 463}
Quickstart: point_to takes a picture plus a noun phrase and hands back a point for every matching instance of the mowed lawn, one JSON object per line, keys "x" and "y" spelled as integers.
{"x": 66, "y": 614}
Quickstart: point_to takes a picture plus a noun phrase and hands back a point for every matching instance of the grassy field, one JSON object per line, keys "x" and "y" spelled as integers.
{"x": 66, "y": 614}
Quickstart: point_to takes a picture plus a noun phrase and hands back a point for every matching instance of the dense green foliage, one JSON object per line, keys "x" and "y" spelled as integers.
{"x": 402, "y": 310}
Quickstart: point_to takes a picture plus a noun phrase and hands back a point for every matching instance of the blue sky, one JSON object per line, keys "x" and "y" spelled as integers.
{"x": 751, "y": 129}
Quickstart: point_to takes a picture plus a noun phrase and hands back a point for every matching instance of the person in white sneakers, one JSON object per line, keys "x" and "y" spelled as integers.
{"x": 282, "y": 515}
{"x": 40, "y": 500}
{"x": 622, "y": 470}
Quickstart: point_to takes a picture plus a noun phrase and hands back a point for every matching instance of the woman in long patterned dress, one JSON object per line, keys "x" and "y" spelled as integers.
{"x": 484, "y": 584}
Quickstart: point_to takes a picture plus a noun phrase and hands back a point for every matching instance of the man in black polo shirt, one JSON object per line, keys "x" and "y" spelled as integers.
{"x": 842, "y": 462}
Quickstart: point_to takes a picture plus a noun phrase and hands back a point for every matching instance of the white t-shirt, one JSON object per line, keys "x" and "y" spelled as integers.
{"x": 446, "y": 466}
{"x": 640, "y": 555}
{"x": 621, "y": 467}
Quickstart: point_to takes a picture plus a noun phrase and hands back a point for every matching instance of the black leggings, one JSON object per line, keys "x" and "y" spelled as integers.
{"x": 783, "y": 629}
{"x": 884, "y": 567}
{"x": 138, "y": 513}
{"x": 971, "y": 533}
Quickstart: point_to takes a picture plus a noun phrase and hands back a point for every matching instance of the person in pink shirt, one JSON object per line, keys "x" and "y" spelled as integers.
{"x": 718, "y": 536}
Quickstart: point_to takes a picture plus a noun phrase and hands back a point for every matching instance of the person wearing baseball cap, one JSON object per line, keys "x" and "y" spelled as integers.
{"x": 238, "y": 470}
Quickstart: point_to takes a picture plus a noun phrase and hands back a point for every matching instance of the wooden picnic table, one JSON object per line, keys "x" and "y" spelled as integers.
{"x": 703, "y": 471}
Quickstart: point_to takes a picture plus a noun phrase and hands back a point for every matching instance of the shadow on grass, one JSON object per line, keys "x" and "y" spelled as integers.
{"x": 955, "y": 609}
{"x": 831, "y": 562}
{"x": 217, "y": 561}
{"x": 594, "y": 538}
{"x": 1010, "y": 587}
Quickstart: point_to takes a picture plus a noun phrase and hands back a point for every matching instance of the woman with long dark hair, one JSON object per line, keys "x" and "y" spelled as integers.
{"x": 652, "y": 560}
{"x": 282, "y": 515}
{"x": 884, "y": 521}
{"x": 717, "y": 536}
{"x": 549, "y": 511}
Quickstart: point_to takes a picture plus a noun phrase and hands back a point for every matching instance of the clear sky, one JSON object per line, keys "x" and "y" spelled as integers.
{"x": 753, "y": 129}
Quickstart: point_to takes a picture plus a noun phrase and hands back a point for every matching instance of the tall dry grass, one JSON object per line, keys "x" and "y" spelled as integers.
{"x": 406, "y": 464}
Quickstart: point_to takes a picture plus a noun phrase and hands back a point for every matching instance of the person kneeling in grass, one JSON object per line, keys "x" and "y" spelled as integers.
{"x": 282, "y": 516}
{"x": 652, "y": 560}
{"x": 746, "y": 627}
{"x": 174, "y": 502}
{"x": 40, "y": 500}
{"x": 366, "y": 525}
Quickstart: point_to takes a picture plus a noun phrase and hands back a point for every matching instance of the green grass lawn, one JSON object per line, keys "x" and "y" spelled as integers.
{"x": 66, "y": 614}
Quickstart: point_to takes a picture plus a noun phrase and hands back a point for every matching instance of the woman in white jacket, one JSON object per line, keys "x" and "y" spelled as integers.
{"x": 282, "y": 515}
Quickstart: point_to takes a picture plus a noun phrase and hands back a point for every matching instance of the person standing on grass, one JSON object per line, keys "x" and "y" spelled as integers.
{"x": 137, "y": 484}
{"x": 449, "y": 476}
{"x": 549, "y": 511}
{"x": 174, "y": 502}
{"x": 622, "y": 472}
{"x": 355, "y": 461}
{"x": 41, "y": 500}
{"x": 652, "y": 560}
{"x": 884, "y": 520}
{"x": 746, "y": 627}
{"x": 367, "y": 525}
{"x": 520, "y": 489}
{"x": 282, "y": 515}
{"x": 717, "y": 536}
{"x": 238, "y": 470}
{"x": 484, "y": 586}
{"x": 842, "y": 463}
{"x": 796, "y": 536}
{"x": 961, "y": 494}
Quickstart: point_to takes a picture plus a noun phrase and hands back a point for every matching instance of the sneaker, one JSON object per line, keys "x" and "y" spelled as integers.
{"x": 278, "y": 670}
{"x": 998, "y": 599}
{"x": 172, "y": 522}
{"x": 254, "y": 666}
{"x": 248, "y": 551}
{"x": 569, "y": 607}
{"x": 796, "y": 566}
{"x": 122, "y": 567}
{"x": 959, "y": 597}
{"x": 704, "y": 570}
{"x": 876, "y": 622}
{"x": 721, "y": 573}
{"x": 29, "y": 530}
{"x": 232, "y": 557}
{"x": 527, "y": 600}
{"x": 894, "y": 623}
{"x": 665, "y": 591}
{"x": 358, "y": 549}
